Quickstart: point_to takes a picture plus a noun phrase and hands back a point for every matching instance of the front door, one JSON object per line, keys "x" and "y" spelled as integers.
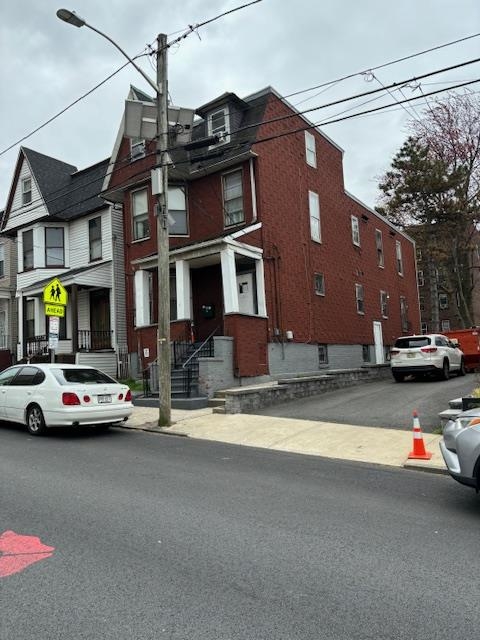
{"x": 378, "y": 339}
{"x": 100, "y": 320}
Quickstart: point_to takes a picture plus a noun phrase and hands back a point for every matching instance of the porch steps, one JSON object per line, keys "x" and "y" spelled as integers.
{"x": 218, "y": 404}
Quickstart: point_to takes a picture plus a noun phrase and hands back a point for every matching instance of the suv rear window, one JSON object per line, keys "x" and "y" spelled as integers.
{"x": 412, "y": 343}
{"x": 82, "y": 376}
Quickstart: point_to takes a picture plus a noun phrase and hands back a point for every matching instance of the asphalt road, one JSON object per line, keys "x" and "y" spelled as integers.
{"x": 162, "y": 537}
{"x": 383, "y": 403}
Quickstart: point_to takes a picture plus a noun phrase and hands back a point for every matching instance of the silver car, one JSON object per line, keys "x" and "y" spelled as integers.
{"x": 460, "y": 447}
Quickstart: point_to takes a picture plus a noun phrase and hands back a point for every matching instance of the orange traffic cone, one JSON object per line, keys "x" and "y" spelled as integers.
{"x": 419, "y": 452}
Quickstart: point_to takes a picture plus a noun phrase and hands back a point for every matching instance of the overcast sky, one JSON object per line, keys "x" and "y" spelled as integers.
{"x": 289, "y": 44}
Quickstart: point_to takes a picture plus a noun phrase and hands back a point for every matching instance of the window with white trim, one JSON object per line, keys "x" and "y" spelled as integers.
{"x": 141, "y": 228}
{"x": 137, "y": 148}
{"x": 443, "y": 301}
{"x": 384, "y": 304}
{"x": 403, "y": 313}
{"x": 359, "y": 297}
{"x": 445, "y": 325}
{"x": 177, "y": 212}
{"x": 310, "y": 149}
{"x": 418, "y": 251}
{"x": 314, "y": 209}
{"x": 95, "y": 238}
{"x": 233, "y": 198}
{"x": 320, "y": 284}
{"x": 355, "y": 231}
{"x": 2, "y": 260}
{"x": 26, "y": 190}
{"x": 27, "y": 245}
{"x": 379, "y": 246}
{"x": 424, "y": 327}
{"x": 421, "y": 301}
{"x": 421, "y": 279}
{"x": 218, "y": 124}
{"x": 54, "y": 247}
{"x": 398, "y": 253}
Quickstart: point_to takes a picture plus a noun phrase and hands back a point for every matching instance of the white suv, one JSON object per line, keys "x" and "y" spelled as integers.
{"x": 426, "y": 354}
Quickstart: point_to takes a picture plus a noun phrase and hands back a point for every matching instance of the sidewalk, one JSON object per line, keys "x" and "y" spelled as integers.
{"x": 341, "y": 441}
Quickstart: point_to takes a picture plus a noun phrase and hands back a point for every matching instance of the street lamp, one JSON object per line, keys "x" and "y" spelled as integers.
{"x": 161, "y": 92}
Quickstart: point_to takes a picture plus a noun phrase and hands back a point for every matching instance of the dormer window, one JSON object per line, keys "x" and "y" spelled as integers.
{"x": 218, "y": 124}
{"x": 137, "y": 148}
{"x": 26, "y": 190}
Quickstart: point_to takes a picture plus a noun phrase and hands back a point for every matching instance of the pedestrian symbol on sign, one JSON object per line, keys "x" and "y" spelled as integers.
{"x": 55, "y": 292}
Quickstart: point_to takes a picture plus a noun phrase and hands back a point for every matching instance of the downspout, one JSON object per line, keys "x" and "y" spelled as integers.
{"x": 253, "y": 192}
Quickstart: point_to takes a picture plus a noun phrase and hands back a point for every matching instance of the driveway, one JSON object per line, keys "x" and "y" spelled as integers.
{"x": 382, "y": 403}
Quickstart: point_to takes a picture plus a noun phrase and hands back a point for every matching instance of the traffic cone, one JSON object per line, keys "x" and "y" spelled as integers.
{"x": 419, "y": 452}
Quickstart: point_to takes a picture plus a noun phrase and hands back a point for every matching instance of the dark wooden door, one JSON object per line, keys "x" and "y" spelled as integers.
{"x": 100, "y": 320}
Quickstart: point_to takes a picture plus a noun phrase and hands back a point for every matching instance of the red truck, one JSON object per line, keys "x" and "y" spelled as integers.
{"x": 469, "y": 342}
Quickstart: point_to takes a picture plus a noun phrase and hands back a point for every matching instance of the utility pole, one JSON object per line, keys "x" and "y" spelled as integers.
{"x": 163, "y": 248}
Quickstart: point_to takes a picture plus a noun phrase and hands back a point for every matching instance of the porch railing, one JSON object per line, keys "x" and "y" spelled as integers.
{"x": 94, "y": 340}
{"x": 36, "y": 346}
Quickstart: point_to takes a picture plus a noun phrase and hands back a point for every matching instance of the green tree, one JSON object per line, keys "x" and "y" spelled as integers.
{"x": 432, "y": 190}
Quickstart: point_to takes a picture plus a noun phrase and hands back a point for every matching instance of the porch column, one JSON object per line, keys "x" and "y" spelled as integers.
{"x": 260, "y": 277}
{"x": 182, "y": 283}
{"x": 74, "y": 316}
{"x": 229, "y": 281}
{"x": 142, "y": 307}
{"x": 20, "y": 328}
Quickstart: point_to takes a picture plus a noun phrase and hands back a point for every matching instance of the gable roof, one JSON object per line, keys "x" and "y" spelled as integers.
{"x": 51, "y": 174}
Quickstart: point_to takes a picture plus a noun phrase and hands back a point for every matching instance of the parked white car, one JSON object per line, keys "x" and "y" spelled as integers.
{"x": 426, "y": 355}
{"x": 61, "y": 395}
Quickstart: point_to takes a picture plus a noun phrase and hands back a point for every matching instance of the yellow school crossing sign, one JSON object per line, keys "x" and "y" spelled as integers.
{"x": 55, "y": 298}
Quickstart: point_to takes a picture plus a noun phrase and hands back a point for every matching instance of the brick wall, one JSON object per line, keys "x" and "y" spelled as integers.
{"x": 250, "y": 346}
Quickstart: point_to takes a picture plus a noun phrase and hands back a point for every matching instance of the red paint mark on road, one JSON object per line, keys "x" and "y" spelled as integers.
{"x": 17, "y": 552}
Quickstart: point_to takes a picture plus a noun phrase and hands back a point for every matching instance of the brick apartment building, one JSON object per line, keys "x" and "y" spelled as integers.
{"x": 271, "y": 259}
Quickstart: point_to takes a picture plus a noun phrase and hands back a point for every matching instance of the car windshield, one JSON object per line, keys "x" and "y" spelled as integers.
{"x": 82, "y": 376}
{"x": 411, "y": 343}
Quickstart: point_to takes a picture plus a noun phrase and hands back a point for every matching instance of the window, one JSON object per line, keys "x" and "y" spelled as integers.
{"x": 310, "y": 149}
{"x": 137, "y": 148}
{"x": 30, "y": 318}
{"x": 314, "y": 208}
{"x": 218, "y": 125}
{"x": 419, "y": 254}
{"x": 2, "y": 260}
{"x": 141, "y": 228}
{"x": 26, "y": 190}
{"x": 319, "y": 284}
{"x": 355, "y": 231}
{"x": 443, "y": 301}
{"x": 28, "y": 376}
{"x": 95, "y": 238}
{"x": 422, "y": 303}
{"x": 424, "y": 327}
{"x": 421, "y": 279}
{"x": 379, "y": 246}
{"x": 366, "y": 352}
{"x": 384, "y": 304}
{"x": 398, "y": 252}
{"x": 233, "y": 198}
{"x": 177, "y": 211}
{"x": 359, "y": 298}
{"x": 54, "y": 247}
{"x": 27, "y": 238}
{"x": 445, "y": 325}
{"x": 322, "y": 354}
{"x": 403, "y": 313}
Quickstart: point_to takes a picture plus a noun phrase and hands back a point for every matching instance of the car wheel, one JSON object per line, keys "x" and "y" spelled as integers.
{"x": 398, "y": 377}
{"x": 35, "y": 421}
{"x": 445, "y": 374}
{"x": 462, "y": 371}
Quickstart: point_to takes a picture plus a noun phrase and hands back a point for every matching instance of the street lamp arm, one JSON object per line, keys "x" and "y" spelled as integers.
{"x": 70, "y": 17}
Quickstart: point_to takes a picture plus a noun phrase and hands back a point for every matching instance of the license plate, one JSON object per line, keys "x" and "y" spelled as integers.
{"x": 104, "y": 399}
{"x": 410, "y": 355}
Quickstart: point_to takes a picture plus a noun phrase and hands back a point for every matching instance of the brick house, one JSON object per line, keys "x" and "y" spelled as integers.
{"x": 271, "y": 259}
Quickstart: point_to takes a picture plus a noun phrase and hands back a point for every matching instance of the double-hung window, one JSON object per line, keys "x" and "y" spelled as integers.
{"x": 233, "y": 198}
{"x": 443, "y": 301}
{"x": 398, "y": 253}
{"x": 54, "y": 247}
{"x": 27, "y": 241}
{"x": 314, "y": 209}
{"x": 384, "y": 304}
{"x": 26, "y": 190}
{"x": 320, "y": 284}
{"x": 95, "y": 238}
{"x": 359, "y": 297}
{"x": 177, "y": 211}
{"x": 141, "y": 227}
{"x": 2, "y": 260}
{"x": 379, "y": 246}
{"x": 355, "y": 231}
{"x": 403, "y": 313}
{"x": 218, "y": 124}
{"x": 310, "y": 149}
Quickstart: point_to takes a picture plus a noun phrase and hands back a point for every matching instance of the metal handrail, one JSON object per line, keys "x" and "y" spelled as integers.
{"x": 200, "y": 347}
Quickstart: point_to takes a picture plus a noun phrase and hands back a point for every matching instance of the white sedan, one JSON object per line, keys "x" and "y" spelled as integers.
{"x": 61, "y": 395}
